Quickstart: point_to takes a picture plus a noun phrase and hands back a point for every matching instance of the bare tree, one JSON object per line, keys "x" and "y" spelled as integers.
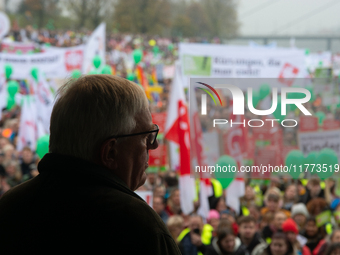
{"x": 89, "y": 12}
{"x": 222, "y": 17}
{"x": 147, "y": 16}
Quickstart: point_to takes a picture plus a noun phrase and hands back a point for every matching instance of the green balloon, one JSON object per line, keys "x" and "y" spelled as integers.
{"x": 19, "y": 52}
{"x": 76, "y": 74}
{"x": 155, "y": 49}
{"x": 42, "y": 145}
{"x": 294, "y": 160}
{"x": 321, "y": 116}
{"x": 137, "y": 56}
{"x": 34, "y": 73}
{"x": 264, "y": 91}
{"x": 107, "y": 70}
{"x": 311, "y": 158}
{"x": 307, "y": 51}
{"x": 327, "y": 159}
{"x": 8, "y": 71}
{"x": 227, "y": 163}
{"x": 12, "y": 88}
{"x": 97, "y": 61}
{"x": 10, "y": 103}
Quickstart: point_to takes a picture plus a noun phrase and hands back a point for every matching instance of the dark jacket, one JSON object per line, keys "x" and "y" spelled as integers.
{"x": 256, "y": 241}
{"x": 188, "y": 248}
{"x": 214, "y": 249}
{"x": 76, "y": 206}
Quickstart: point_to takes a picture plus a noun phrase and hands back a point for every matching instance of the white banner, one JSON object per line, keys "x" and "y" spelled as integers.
{"x": 316, "y": 141}
{"x": 56, "y": 63}
{"x": 95, "y": 46}
{"x": 224, "y": 61}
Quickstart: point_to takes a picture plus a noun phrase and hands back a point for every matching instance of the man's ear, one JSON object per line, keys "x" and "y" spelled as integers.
{"x": 108, "y": 153}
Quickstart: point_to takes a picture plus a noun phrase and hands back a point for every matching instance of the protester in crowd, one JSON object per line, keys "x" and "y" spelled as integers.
{"x": 158, "y": 205}
{"x": 13, "y": 173}
{"x": 220, "y": 204}
{"x": 248, "y": 233}
{"x": 159, "y": 191}
{"x": 290, "y": 197}
{"x": 249, "y": 197}
{"x": 173, "y": 204}
{"x": 152, "y": 181}
{"x": 333, "y": 249}
{"x": 231, "y": 217}
{"x": 175, "y": 225}
{"x": 27, "y": 163}
{"x": 300, "y": 215}
{"x": 255, "y": 212}
{"x": 316, "y": 206}
{"x": 313, "y": 191}
{"x": 83, "y": 199}
{"x": 276, "y": 225}
{"x": 290, "y": 228}
{"x": 213, "y": 219}
{"x": 314, "y": 234}
{"x": 226, "y": 243}
{"x": 273, "y": 203}
{"x": 279, "y": 245}
{"x": 190, "y": 239}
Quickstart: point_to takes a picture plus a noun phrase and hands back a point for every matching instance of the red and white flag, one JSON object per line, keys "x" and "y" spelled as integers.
{"x": 177, "y": 130}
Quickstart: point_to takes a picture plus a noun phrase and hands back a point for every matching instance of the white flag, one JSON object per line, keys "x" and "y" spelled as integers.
{"x": 45, "y": 101}
{"x": 95, "y": 46}
{"x": 27, "y": 135}
{"x": 3, "y": 93}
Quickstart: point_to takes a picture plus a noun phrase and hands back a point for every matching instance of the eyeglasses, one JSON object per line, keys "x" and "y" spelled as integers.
{"x": 151, "y": 138}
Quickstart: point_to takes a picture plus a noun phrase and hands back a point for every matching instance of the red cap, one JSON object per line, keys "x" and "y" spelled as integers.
{"x": 290, "y": 226}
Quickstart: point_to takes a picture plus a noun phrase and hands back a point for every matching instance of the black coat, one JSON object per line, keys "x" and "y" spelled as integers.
{"x": 75, "y": 206}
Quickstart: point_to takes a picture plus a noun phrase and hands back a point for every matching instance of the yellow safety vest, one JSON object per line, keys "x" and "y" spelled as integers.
{"x": 217, "y": 186}
{"x": 206, "y": 235}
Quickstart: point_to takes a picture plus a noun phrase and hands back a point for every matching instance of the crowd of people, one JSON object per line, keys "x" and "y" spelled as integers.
{"x": 280, "y": 217}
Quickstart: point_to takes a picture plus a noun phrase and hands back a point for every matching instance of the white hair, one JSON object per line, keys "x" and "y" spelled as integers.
{"x": 89, "y": 110}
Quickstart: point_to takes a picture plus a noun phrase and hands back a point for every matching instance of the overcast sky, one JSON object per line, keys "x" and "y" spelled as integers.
{"x": 268, "y": 17}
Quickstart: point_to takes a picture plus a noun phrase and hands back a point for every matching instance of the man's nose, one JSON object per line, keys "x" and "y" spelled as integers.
{"x": 153, "y": 146}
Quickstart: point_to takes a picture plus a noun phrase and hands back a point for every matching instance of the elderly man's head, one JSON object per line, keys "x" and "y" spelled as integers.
{"x": 90, "y": 115}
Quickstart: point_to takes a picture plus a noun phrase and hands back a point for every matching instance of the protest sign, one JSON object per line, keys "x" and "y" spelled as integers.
{"x": 55, "y": 63}
{"x": 224, "y": 61}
